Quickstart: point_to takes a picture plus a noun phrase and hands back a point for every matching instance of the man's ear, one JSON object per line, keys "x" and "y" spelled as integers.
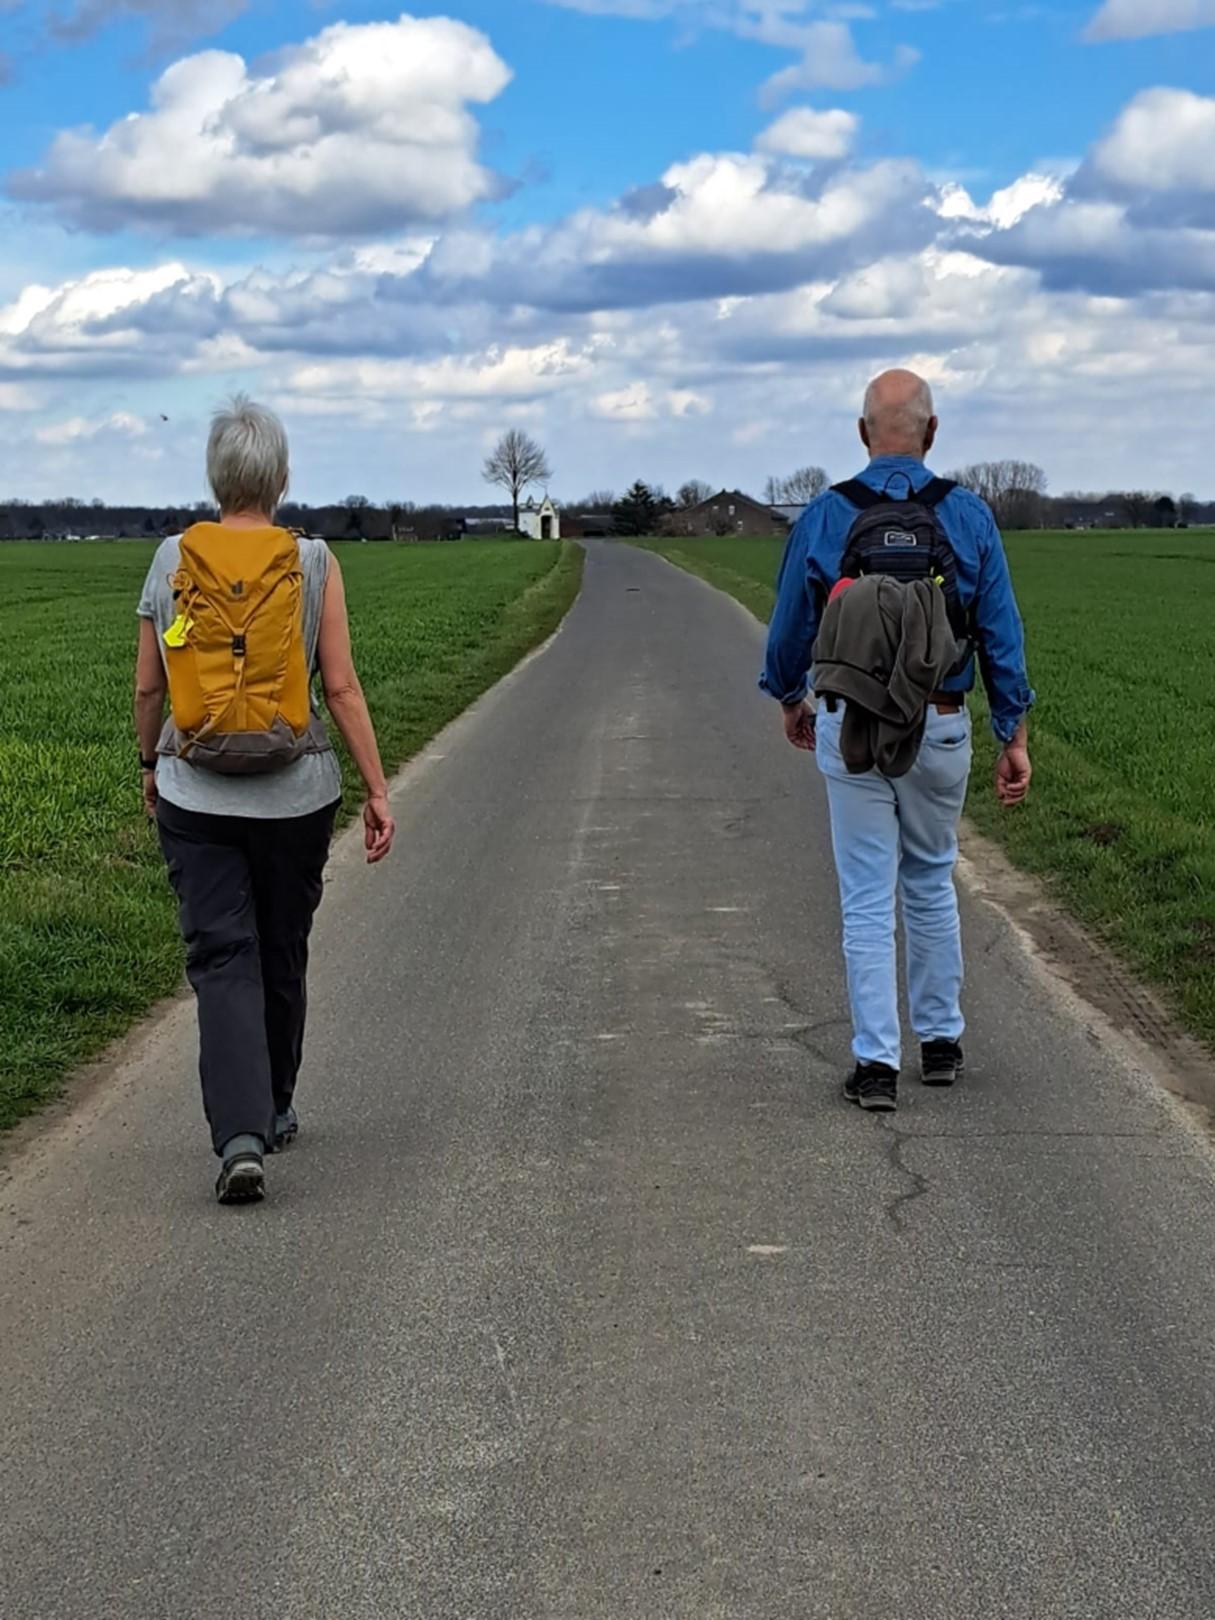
{"x": 864, "y": 427}
{"x": 930, "y": 437}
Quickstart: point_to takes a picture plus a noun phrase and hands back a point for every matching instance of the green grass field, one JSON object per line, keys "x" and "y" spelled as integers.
{"x": 88, "y": 939}
{"x": 1122, "y": 653}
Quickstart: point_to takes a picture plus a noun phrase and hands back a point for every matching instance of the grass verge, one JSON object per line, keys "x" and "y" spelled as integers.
{"x": 1122, "y": 655}
{"x": 88, "y": 936}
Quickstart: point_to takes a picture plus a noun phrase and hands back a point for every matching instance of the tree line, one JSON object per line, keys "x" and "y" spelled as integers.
{"x": 355, "y": 518}
{"x": 1015, "y": 490}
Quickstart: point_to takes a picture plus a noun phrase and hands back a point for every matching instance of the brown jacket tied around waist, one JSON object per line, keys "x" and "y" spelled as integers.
{"x": 884, "y": 648}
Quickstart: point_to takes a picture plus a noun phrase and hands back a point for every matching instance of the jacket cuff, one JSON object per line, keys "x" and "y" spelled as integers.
{"x": 1004, "y": 727}
{"x": 789, "y": 701}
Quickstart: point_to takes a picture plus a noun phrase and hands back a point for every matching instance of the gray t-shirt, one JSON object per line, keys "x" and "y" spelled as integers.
{"x": 313, "y": 782}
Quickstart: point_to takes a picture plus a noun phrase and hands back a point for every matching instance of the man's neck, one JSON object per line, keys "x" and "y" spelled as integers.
{"x": 896, "y": 455}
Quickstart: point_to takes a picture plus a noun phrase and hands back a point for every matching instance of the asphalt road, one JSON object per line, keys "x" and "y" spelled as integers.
{"x": 583, "y": 1295}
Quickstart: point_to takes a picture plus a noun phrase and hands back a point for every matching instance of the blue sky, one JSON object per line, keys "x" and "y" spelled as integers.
{"x": 672, "y": 237}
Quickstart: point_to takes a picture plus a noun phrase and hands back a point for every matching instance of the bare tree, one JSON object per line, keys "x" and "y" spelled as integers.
{"x": 799, "y": 489}
{"x": 694, "y": 493}
{"x": 1138, "y": 506}
{"x": 599, "y": 500}
{"x": 517, "y": 462}
{"x": 1014, "y": 490}
{"x": 805, "y": 485}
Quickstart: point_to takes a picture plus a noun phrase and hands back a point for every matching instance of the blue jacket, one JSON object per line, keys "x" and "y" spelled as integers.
{"x": 811, "y": 569}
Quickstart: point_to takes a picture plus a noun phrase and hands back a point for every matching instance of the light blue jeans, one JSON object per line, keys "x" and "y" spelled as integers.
{"x": 900, "y": 839}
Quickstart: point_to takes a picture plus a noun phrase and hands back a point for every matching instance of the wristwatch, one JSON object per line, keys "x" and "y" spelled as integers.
{"x": 146, "y": 764}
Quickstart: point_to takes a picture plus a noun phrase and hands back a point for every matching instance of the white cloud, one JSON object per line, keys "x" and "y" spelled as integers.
{"x": 639, "y": 402}
{"x": 634, "y": 403}
{"x": 739, "y": 284}
{"x": 718, "y": 225}
{"x": 1163, "y": 141}
{"x": 726, "y": 204}
{"x": 120, "y": 424}
{"x": 830, "y": 61}
{"x": 1022, "y": 367}
{"x": 497, "y": 374}
{"x": 1093, "y": 244}
{"x": 360, "y": 130}
{"x": 804, "y": 132}
{"x": 97, "y": 296}
{"x": 1137, "y": 216}
{"x": 1013, "y": 202}
{"x": 827, "y": 52}
{"x": 683, "y": 402}
{"x": 1006, "y": 206}
{"x": 1138, "y": 19}
{"x": 96, "y": 325}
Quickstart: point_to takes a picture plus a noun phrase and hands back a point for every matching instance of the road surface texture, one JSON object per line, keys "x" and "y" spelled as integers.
{"x": 583, "y": 1295}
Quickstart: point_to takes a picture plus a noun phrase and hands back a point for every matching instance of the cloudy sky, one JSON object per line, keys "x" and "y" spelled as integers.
{"x": 671, "y": 237}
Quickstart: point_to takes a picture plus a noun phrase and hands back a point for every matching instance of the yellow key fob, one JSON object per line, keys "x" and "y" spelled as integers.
{"x": 175, "y": 635}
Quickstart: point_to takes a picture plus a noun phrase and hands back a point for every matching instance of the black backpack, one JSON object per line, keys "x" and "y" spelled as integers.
{"x": 904, "y": 539}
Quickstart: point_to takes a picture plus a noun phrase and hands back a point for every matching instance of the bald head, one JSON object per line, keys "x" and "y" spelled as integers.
{"x": 899, "y": 418}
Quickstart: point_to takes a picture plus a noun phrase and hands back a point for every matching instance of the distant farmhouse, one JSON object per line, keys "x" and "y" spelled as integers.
{"x": 565, "y": 523}
{"x": 476, "y": 524}
{"x": 587, "y": 525}
{"x": 548, "y": 521}
{"x": 732, "y": 512}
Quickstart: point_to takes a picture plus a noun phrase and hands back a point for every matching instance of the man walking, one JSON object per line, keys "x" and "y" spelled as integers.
{"x": 895, "y": 835}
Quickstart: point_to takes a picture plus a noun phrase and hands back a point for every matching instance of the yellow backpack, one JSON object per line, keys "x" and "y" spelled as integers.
{"x": 237, "y": 664}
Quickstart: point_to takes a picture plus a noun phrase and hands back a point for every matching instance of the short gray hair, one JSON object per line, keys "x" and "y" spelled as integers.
{"x": 247, "y": 460}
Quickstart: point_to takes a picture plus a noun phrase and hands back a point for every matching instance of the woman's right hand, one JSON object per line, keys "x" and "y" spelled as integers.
{"x": 379, "y": 829}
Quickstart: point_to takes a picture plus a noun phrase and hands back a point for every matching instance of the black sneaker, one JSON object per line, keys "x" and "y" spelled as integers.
{"x": 941, "y": 1063}
{"x": 286, "y": 1129}
{"x": 242, "y": 1180}
{"x": 874, "y": 1087}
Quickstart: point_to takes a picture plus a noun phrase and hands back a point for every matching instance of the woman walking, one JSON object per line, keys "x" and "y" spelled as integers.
{"x": 236, "y": 618}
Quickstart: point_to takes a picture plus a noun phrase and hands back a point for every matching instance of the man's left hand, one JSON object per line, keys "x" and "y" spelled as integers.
{"x": 799, "y": 726}
{"x": 150, "y": 795}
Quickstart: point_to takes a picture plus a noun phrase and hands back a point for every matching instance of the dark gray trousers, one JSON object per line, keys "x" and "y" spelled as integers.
{"x": 248, "y": 891}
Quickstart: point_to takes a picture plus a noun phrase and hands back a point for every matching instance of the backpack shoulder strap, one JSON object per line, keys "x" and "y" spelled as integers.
{"x": 860, "y": 495}
{"x": 934, "y": 492}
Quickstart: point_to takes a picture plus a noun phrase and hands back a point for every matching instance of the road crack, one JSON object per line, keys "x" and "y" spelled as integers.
{"x": 921, "y": 1186}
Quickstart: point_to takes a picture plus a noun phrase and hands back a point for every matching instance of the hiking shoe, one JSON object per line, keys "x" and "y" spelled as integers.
{"x": 242, "y": 1180}
{"x": 941, "y": 1063}
{"x": 286, "y": 1129}
{"x": 874, "y": 1087}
